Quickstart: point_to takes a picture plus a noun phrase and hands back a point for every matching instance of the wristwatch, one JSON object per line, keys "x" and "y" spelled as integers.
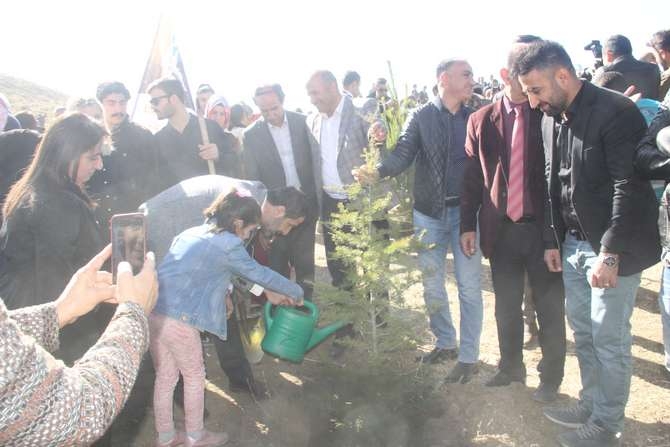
{"x": 610, "y": 260}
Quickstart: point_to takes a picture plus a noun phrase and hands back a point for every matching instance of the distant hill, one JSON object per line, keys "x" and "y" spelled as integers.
{"x": 26, "y": 95}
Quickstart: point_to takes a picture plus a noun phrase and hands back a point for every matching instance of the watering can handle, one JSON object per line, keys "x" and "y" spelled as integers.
{"x": 312, "y": 308}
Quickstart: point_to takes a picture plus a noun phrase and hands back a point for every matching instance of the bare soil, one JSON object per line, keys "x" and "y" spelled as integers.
{"x": 322, "y": 403}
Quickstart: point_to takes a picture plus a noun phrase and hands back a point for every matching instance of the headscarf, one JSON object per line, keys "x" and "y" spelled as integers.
{"x": 215, "y": 100}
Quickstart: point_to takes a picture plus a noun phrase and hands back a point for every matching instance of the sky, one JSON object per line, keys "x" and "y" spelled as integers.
{"x": 72, "y": 46}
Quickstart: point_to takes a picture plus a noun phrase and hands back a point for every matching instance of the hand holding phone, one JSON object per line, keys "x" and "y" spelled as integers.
{"x": 128, "y": 241}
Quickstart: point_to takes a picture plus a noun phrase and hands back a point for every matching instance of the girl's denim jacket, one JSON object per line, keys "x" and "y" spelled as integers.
{"x": 195, "y": 276}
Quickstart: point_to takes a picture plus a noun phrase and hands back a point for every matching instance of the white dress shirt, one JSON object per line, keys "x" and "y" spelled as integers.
{"x": 330, "y": 137}
{"x": 282, "y": 138}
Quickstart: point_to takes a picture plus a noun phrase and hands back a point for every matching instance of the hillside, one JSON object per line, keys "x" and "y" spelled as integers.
{"x": 26, "y": 95}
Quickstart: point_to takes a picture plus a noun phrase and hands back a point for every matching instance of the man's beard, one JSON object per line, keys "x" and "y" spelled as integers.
{"x": 551, "y": 110}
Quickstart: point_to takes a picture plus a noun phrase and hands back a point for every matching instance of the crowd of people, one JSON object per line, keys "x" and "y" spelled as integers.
{"x": 545, "y": 174}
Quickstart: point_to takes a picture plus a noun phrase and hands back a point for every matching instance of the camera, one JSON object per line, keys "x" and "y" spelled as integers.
{"x": 597, "y": 49}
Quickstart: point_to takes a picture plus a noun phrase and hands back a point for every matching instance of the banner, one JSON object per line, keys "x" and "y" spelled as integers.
{"x": 164, "y": 61}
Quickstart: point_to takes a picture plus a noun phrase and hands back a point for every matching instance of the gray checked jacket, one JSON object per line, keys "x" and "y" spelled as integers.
{"x": 357, "y": 117}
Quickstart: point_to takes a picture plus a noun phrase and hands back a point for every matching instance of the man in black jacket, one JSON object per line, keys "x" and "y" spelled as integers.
{"x": 277, "y": 152}
{"x": 604, "y": 218}
{"x": 129, "y": 163}
{"x": 182, "y": 151}
{"x": 652, "y": 161}
{"x": 618, "y": 56}
{"x": 434, "y": 139}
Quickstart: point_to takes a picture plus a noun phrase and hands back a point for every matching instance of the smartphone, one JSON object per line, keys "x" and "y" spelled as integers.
{"x": 128, "y": 241}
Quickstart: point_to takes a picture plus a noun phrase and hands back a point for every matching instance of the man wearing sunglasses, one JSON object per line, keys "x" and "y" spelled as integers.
{"x": 182, "y": 150}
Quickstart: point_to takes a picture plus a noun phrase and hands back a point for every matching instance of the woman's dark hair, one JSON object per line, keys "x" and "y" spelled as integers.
{"x": 63, "y": 144}
{"x": 230, "y": 206}
{"x": 237, "y": 113}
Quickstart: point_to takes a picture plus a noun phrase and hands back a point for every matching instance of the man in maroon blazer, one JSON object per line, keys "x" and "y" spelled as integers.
{"x": 504, "y": 191}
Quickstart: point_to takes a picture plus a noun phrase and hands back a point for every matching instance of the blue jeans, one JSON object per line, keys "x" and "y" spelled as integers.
{"x": 600, "y": 319}
{"x": 664, "y": 304}
{"x": 436, "y": 235}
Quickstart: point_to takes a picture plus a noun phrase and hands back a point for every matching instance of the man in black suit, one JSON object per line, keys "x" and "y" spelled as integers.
{"x": 618, "y": 57}
{"x": 603, "y": 216}
{"x": 277, "y": 153}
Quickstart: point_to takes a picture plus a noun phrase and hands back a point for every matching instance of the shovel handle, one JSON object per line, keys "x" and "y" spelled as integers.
{"x": 267, "y": 310}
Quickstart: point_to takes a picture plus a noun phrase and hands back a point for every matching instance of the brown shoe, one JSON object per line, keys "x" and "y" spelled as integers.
{"x": 178, "y": 439}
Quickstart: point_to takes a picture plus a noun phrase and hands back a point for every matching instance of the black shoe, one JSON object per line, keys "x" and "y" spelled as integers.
{"x": 572, "y": 417}
{"x": 590, "y": 434}
{"x": 256, "y": 389}
{"x": 337, "y": 350}
{"x": 438, "y": 355}
{"x": 462, "y": 372}
{"x": 503, "y": 378}
{"x": 545, "y": 393}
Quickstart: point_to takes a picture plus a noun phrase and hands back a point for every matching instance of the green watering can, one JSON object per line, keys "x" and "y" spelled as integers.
{"x": 291, "y": 332}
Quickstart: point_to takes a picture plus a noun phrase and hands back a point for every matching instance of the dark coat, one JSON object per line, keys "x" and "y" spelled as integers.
{"x": 16, "y": 151}
{"x": 41, "y": 246}
{"x": 425, "y": 143}
{"x": 651, "y": 163}
{"x": 179, "y": 158}
{"x": 263, "y": 163}
{"x": 614, "y": 206}
{"x": 484, "y": 192}
{"x": 644, "y": 76}
{"x": 127, "y": 177}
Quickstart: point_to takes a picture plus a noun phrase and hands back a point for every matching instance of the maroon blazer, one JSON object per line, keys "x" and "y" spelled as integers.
{"x": 487, "y": 166}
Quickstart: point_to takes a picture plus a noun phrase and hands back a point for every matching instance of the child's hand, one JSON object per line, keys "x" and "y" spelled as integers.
{"x": 280, "y": 300}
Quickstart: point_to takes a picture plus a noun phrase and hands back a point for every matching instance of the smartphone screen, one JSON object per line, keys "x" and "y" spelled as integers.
{"x": 128, "y": 241}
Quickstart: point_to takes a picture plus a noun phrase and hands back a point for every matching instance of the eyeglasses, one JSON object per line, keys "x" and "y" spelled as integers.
{"x": 156, "y": 100}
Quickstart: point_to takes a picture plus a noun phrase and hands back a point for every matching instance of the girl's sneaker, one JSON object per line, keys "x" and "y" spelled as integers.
{"x": 208, "y": 439}
{"x": 179, "y": 439}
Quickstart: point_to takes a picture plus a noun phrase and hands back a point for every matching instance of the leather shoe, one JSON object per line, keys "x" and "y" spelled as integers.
{"x": 462, "y": 373}
{"x": 545, "y": 393}
{"x": 503, "y": 378}
{"x": 438, "y": 355}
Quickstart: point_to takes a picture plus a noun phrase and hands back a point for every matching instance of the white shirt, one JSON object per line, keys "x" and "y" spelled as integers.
{"x": 330, "y": 137}
{"x": 282, "y": 138}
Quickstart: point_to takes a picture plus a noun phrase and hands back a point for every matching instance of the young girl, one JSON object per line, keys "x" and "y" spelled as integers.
{"x": 194, "y": 279}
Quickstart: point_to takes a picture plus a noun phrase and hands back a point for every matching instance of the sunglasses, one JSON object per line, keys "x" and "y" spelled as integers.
{"x": 155, "y": 101}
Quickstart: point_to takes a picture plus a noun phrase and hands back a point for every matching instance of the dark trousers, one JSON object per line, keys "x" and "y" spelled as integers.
{"x": 519, "y": 249}
{"x": 231, "y": 354}
{"x": 296, "y": 249}
{"x": 336, "y": 267}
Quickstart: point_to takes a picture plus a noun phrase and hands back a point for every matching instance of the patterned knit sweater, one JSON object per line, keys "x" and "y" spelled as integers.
{"x": 44, "y": 403}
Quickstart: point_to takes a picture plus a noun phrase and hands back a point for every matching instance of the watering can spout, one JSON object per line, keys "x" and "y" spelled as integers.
{"x": 321, "y": 334}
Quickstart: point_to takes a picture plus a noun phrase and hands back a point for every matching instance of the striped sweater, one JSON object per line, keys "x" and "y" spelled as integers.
{"x": 45, "y": 403}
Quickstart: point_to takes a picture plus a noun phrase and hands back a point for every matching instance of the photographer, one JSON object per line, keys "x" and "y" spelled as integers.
{"x": 45, "y": 403}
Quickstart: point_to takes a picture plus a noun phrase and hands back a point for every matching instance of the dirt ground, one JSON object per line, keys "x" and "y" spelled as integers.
{"x": 320, "y": 403}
